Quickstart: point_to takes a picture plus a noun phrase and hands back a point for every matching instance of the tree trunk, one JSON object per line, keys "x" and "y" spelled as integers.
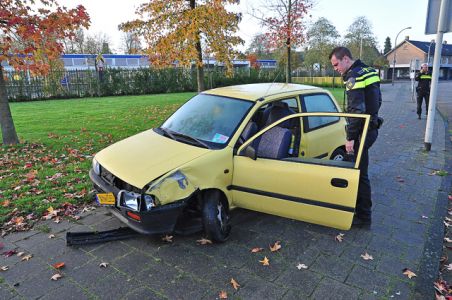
{"x": 200, "y": 68}
{"x": 6, "y": 119}
{"x": 199, "y": 64}
{"x": 289, "y": 64}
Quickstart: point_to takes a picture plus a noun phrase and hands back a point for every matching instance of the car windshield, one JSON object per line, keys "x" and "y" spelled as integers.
{"x": 208, "y": 118}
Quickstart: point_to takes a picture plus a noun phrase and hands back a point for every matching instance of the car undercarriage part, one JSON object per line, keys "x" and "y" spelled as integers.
{"x": 93, "y": 237}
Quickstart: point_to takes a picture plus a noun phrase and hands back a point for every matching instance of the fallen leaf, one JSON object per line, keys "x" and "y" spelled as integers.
{"x": 408, "y": 273}
{"x": 9, "y": 253}
{"x": 339, "y": 237}
{"x": 301, "y": 266}
{"x": 103, "y": 265}
{"x": 448, "y": 240}
{"x": 58, "y": 265}
{"x": 51, "y": 236}
{"x": 27, "y": 257}
{"x": 56, "y": 276}
{"x": 57, "y": 220}
{"x": 20, "y": 254}
{"x": 255, "y": 250}
{"x": 367, "y": 256}
{"x": 204, "y": 241}
{"x": 424, "y": 217}
{"x": 265, "y": 261}
{"x": 440, "y": 286}
{"x": 446, "y": 224}
{"x": 439, "y": 297}
{"x": 235, "y": 284}
{"x": 450, "y": 197}
{"x": 167, "y": 238}
{"x": 223, "y": 295}
{"x": 449, "y": 267}
{"x": 275, "y": 247}
{"x": 4, "y": 268}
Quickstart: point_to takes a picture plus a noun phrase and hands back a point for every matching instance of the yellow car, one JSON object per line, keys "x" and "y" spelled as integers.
{"x": 271, "y": 147}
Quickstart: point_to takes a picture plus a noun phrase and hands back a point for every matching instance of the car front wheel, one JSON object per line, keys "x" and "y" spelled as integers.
{"x": 215, "y": 218}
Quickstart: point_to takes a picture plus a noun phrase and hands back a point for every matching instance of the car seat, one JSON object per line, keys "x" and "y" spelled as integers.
{"x": 276, "y": 111}
{"x": 274, "y": 143}
{"x": 249, "y": 131}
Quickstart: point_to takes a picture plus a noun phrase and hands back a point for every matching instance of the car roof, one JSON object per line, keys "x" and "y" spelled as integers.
{"x": 259, "y": 91}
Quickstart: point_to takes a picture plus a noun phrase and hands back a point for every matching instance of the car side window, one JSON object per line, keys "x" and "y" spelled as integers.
{"x": 319, "y": 103}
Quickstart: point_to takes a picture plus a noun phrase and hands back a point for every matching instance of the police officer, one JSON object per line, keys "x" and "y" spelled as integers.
{"x": 363, "y": 97}
{"x": 424, "y": 78}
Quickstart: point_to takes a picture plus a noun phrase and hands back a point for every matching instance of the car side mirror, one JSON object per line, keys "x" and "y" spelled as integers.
{"x": 250, "y": 152}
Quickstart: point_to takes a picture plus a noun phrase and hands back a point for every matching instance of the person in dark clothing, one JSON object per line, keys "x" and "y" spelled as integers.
{"x": 424, "y": 79}
{"x": 362, "y": 85}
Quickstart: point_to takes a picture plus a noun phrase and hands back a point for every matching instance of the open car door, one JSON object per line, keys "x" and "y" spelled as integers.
{"x": 320, "y": 191}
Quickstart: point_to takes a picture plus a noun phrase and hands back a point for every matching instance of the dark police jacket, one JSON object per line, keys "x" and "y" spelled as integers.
{"x": 424, "y": 80}
{"x": 362, "y": 84}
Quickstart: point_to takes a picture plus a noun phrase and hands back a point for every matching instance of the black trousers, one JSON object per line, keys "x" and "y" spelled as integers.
{"x": 420, "y": 96}
{"x": 364, "y": 199}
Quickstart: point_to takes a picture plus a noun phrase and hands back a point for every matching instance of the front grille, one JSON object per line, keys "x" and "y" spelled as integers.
{"x": 117, "y": 182}
{"x": 107, "y": 176}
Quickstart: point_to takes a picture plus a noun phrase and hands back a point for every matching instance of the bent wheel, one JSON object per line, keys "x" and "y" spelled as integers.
{"x": 215, "y": 218}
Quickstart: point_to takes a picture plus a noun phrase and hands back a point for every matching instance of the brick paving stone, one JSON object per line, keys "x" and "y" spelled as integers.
{"x": 7, "y": 292}
{"x": 369, "y": 280}
{"x": 143, "y": 293}
{"x": 303, "y": 280}
{"x": 24, "y": 270}
{"x": 115, "y": 286}
{"x": 332, "y": 266}
{"x": 68, "y": 290}
{"x": 258, "y": 288}
{"x": 333, "y": 289}
{"x": 35, "y": 287}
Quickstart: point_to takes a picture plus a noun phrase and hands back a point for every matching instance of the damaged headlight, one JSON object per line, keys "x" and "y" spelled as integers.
{"x": 174, "y": 187}
{"x": 133, "y": 200}
{"x": 96, "y": 167}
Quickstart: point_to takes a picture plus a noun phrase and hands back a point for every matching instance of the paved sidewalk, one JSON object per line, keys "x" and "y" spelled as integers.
{"x": 410, "y": 202}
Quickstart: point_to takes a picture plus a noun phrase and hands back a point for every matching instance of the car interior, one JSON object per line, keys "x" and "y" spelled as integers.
{"x": 279, "y": 142}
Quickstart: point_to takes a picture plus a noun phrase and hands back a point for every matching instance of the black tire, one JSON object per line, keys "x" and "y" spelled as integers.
{"x": 215, "y": 217}
{"x": 338, "y": 154}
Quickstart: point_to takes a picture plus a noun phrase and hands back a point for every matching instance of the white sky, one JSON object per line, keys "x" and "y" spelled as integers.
{"x": 387, "y": 17}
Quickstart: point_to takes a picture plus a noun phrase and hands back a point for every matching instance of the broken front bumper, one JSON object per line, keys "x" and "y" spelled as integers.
{"x": 158, "y": 220}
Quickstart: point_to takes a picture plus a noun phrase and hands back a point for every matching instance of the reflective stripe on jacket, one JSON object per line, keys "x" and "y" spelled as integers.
{"x": 362, "y": 84}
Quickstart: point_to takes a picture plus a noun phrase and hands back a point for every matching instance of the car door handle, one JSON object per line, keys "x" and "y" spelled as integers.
{"x": 339, "y": 182}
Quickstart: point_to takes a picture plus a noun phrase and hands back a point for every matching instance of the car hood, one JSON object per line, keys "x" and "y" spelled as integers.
{"x": 141, "y": 158}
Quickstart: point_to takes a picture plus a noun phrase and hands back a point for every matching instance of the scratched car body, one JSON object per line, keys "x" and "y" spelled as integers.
{"x": 273, "y": 148}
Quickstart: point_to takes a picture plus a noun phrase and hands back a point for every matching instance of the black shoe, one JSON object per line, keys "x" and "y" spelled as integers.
{"x": 419, "y": 116}
{"x": 361, "y": 221}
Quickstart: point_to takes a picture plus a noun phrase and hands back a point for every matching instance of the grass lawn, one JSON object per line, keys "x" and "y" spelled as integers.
{"x": 59, "y": 137}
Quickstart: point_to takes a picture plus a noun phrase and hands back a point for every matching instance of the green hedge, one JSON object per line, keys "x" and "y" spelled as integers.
{"x": 320, "y": 81}
{"x": 21, "y": 86}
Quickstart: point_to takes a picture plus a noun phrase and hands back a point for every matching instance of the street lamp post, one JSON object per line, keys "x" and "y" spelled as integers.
{"x": 394, "y": 57}
{"x": 428, "y": 55}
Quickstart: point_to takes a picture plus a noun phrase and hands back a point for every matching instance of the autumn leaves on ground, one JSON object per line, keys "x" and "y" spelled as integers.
{"x": 46, "y": 176}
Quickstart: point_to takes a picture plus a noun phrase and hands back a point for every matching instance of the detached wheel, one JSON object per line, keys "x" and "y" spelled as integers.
{"x": 215, "y": 218}
{"x": 338, "y": 154}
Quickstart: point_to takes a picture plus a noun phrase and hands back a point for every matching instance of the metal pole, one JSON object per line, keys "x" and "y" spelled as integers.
{"x": 435, "y": 76}
{"x": 428, "y": 55}
{"x": 394, "y": 57}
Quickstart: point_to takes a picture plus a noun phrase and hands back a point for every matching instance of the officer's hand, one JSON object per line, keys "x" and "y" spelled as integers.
{"x": 349, "y": 146}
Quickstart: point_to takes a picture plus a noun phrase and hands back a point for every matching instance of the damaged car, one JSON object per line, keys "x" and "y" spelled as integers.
{"x": 271, "y": 147}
